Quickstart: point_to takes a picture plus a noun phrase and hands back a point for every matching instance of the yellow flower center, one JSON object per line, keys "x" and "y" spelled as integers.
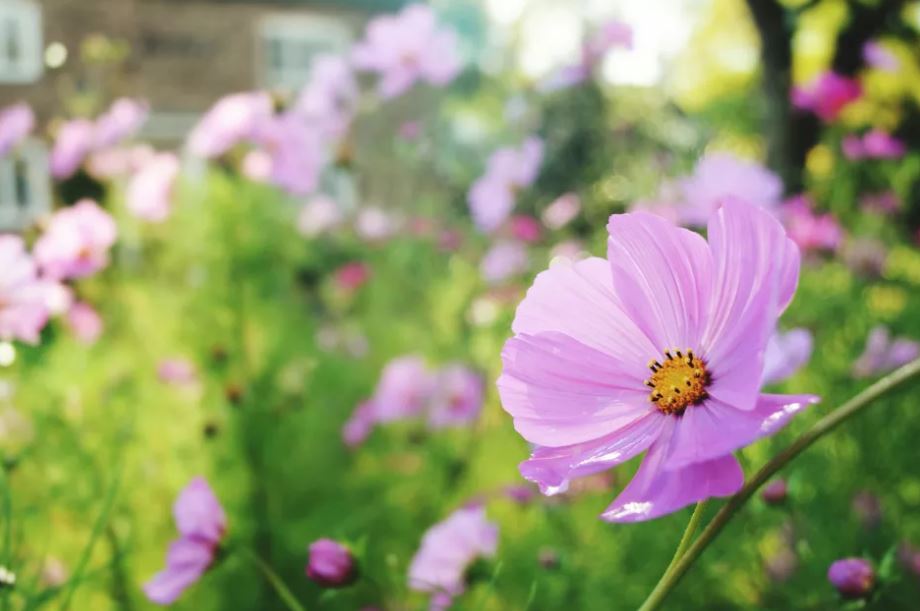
{"x": 678, "y": 382}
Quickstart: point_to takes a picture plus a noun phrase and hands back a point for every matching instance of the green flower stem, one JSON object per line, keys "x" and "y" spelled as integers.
{"x": 828, "y": 423}
{"x": 687, "y": 537}
{"x": 282, "y": 590}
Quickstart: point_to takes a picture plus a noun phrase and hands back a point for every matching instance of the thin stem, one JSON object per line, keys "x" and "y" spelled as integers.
{"x": 821, "y": 428}
{"x": 282, "y": 590}
{"x": 687, "y": 537}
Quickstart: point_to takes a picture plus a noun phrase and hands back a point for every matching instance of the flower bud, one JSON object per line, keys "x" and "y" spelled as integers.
{"x": 331, "y": 565}
{"x": 774, "y": 493}
{"x": 853, "y": 577}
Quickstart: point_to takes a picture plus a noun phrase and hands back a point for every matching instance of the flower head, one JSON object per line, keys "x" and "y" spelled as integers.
{"x": 16, "y": 122}
{"x": 352, "y": 276}
{"x": 448, "y": 548}
{"x": 201, "y": 523}
{"x": 811, "y": 232}
{"x": 320, "y": 214}
{"x": 721, "y": 176}
{"x": 328, "y": 100}
{"x": 775, "y": 492}
{"x": 659, "y": 348}
{"x": 492, "y": 196}
{"x": 506, "y": 258}
{"x": 330, "y": 564}
{"x": 874, "y": 144}
{"x": 122, "y": 120}
{"x": 876, "y": 55}
{"x": 562, "y": 211}
{"x": 884, "y": 353}
{"x": 74, "y": 141}
{"x": 150, "y": 190}
{"x": 852, "y": 577}
{"x": 786, "y": 353}
{"x": 177, "y": 371}
{"x": 85, "y": 322}
{"x": 457, "y": 396}
{"x": 23, "y": 295}
{"x": 231, "y": 120}
{"x": 407, "y": 48}
{"x": 295, "y": 152}
{"x": 827, "y": 95}
{"x": 77, "y": 241}
{"x": 403, "y": 390}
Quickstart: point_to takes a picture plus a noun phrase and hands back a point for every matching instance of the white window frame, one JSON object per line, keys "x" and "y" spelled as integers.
{"x": 22, "y": 20}
{"x": 30, "y": 159}
{"x": 325, "y": 34}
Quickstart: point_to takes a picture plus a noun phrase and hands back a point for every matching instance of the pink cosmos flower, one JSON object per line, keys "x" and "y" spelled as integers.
{"x": 231, "y": 120}
{"x": 352, "y": 276}
{"x": 16, "y": 122}
{"x": 23, "y": 295}
{"x": 811, "y": 232}
{"x": 492, "y": 197}
{"x": 328, "y": 100}
{"x": 320, "y": 214}
{"x": 73, "y": 142}
{"x": 331, "y": 564}
{"x": 875, "y": 144}
{"x": 457, "y": 397}
{"x": 659, "y": 348}
{"x": 504, "y": 260}
{"x": 407, "y": 48}
{"x": 785, "y": 354}
{"x": 884, "y": 353}
{"x": 122, "y": 120}
{"x": 562, "y": 211}
{"x": 296, "y": 151}
{"x": 201, "y": 523}
{"x": 877, "y": 56}
{"x": 852, "y": 577}
{"x": 85, "y": 322}
{"x": 525, "y": 228}
{"x": 359, "y": 426}
{"x": 77, "y": 241}
{"x": 722, "y": 176}
{"x": 403, "y": 390}
{"x": 448, "y": 549}
{"x": 177, "y": 371}
{"x": 374, "y": 224}
{"x": 150, "y": 190}
{"x": 109, "y": 163}
{"x": 827, "y": 95}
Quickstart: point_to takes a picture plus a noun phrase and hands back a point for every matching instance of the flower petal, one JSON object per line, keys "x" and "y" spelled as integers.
{"x": 662, "y": 277}
{"x": 187, "y": 560}
{"x": 562, "y": 392}
{"x": 756, "y": 270}
{"x": 655, "y": 491}
{"x": 785, "y": 354}
{"x": 198, "y": 512}
{"x": 553, "y": 468}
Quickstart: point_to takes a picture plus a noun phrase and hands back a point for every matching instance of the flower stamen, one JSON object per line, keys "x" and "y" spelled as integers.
{"x": 679, "y": 382}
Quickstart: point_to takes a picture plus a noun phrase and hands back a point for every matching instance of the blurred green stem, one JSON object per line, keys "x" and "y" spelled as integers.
{"x": 687, "y": 537}
{"x": 282, "y": 590}
{"x": 825, "y": 425}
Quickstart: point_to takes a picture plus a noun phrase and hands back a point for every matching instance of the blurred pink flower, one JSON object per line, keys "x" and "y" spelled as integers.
{"x": 852, "y": 577}
{"x": 573, "y": 250}
{"x": 296, "y": 151}
{"x": 352, "y": 276}
{"x": 775, "y": 492}
{"x": 562, "y": 211}
{"x": 827, "y": 95}
{"x": 150, "y": 191}
{"x": 85, "y": 322}
{"x": 257, "y": 165}
{"x": 786, "y": 353}
{"x": 659, "y": 348}
{"x": 23, "y": 303}
{"x": 232, "y": 119}
{"x": 410, "y": 130}
{"x": 328, "y": 100}
{"x": 77, "y": 241}
{"x": 448, "y": 549}
{"x": 374, "y": 224}
{"x": 492, "y": 196}
{"x": 504, "y": 260}
{"x": 612, "y": 34}
{"x": 404, "y": 389}
{"x": 875, "y": 144}
{"x": 721, "y": 176}
{"x": 320, "y": 214}
{"x": 877, "y": 56}
{"x": 885, "y": 202}
{"x": 118, "y": 161}
{"x": 884, "y": 353}
{"x": 457, "y": 397}
{"x": 201, "y": 523}
{"x": 122, "y": 120}
{"x": 360, "y": 424}
{"x": 852, "y": 147}
{"x": 811, "y": 232}
{"x": 177, "y": 371}
{"x": 72, "y": 144}
{"x": 16, "y": 123}
{"x": 525, "y": 228}
{"x": 330, "y": 564}
{"x": 406, "y": 48}
{"x": 450, "y": 240}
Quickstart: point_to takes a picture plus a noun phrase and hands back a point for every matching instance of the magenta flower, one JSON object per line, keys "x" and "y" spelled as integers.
{"x": 447, "y": 549}
{"x": 201, "y": 523}
{"x": 811, "y": 232}
{"x": 659, "y": 348}
{"x": 295, "y": 150}
{"x": 352, "y": 276}
{"x": 374, "y": 224}
{"x": 23, "y": 295}
{"x": 403, "y": 390}
{"x": 360, "y": 425}
{"x": 85, "y": 322}
{"x": 73, "y": 143}
{"x": 504, "y": 260}
{"x": 330, "y": 564}
{"x": 884, "y": 353}
{"x": 77, "y": 241}
{"x": 562, "y": 211}
{"x": 232, "y": 119}
{"x": 852, "y": 577}
{"x": 328, "y": 100}
{"x": 109, "y": 163}
{"x": 320, "y": 214}
{"x": 719, "y": 177}
{"x": 16, "y": 123}
{"x": 177, "y": 371}
{"x": 775, "y": 492}
{"x": 525, "y": 228}
{"x": 407, "y": 48}
{"x": 875, "y": 144}
{"x": 121, "y": 121}
{"x": 150, "y": 191}
{"x": 877, "y": 56}
{"x": 827, "y": 95}
{"x": 457, "y": 397}
{"x": 785, "y": 354}
{"x": 492, "y": 197}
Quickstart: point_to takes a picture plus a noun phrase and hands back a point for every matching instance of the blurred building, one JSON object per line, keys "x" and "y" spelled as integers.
{"x": 74, "y": 56}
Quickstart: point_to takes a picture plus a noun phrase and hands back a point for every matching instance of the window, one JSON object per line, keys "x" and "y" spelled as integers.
{"x": 288, "y": 44}
{"x": 20, "y": 41}
{"x": 24, "y": 186}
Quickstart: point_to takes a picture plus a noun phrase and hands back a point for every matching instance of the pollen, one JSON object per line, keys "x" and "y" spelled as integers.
{"x": 677, "y": 382}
